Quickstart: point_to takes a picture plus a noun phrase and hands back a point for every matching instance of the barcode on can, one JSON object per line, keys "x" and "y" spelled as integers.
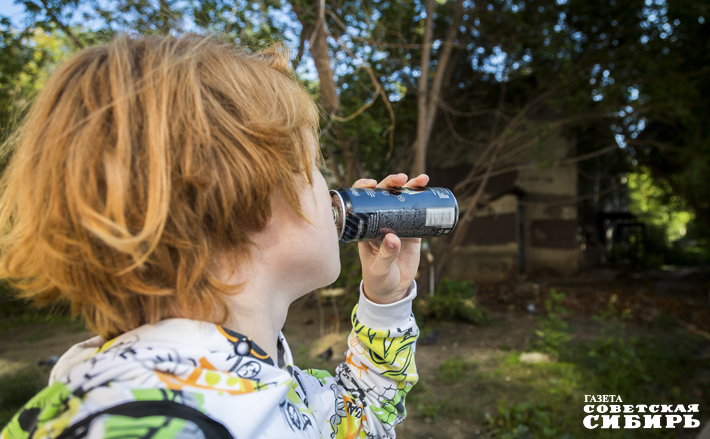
{"x": 440, "y": 216}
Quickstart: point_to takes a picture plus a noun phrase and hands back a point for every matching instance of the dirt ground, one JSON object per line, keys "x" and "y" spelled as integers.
{"x": 648, "y": 299}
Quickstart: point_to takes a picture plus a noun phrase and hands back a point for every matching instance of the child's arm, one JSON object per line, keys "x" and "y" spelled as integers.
{"x": 368, "y": 392}
{"x": 366, "y": 398}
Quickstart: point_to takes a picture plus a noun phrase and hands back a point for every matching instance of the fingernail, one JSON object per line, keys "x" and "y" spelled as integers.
{"x": 390, "y": 245}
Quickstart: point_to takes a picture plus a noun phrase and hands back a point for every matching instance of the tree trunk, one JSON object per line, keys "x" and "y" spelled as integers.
{"x": 420, "y": 144}
{"x": 428, "y": 99}
{"x": 313, "y": 21}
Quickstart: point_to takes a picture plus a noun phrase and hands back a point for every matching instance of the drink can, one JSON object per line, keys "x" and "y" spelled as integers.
{"x": 362, "y": 214}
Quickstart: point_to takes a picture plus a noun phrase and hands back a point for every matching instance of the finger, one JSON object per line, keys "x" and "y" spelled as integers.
{"x": 394, "y": 180}
{"x": 420, "y": 181}
{"x": 389, "y": 250}
{"x": 365, "y": 182}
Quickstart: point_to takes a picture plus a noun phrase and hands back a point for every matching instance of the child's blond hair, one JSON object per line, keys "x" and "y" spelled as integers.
{"x": 139, "y": 162}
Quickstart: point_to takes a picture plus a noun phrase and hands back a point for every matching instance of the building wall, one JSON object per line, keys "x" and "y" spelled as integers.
{"x": 533, "y": 221}
{"x": 551, "y": 245}
{"x": 490, "y": 250}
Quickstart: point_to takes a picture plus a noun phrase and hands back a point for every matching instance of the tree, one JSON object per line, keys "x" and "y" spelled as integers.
{"x": 25, "y": 55}
{"x": 428, "y": 96}
{"x": 485, "y": 83}
{"x": 314, "y": 31}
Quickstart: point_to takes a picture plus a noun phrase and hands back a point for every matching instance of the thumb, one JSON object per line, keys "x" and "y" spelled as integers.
{"x": 389, "y": 249}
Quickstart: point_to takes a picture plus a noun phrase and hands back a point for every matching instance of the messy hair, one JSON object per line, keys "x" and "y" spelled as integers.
{"x": 141, "y": 160}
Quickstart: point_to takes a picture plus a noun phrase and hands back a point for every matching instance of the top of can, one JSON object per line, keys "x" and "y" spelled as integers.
{"x": 338, "y": 207}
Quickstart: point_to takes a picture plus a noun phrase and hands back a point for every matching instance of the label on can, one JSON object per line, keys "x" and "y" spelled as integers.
{"x": 440, "y": 216}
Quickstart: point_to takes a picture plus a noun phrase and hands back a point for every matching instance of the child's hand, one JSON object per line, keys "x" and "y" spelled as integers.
{"x": 389, "y": 264}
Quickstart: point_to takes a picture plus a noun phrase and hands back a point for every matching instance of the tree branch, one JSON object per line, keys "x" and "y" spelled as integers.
{"x": 340, "y": 23}
{"x": 555, "y": 164}
{"x": 446, "y": 107}
{"x": 62, "y": 26}
{"x": 357, "y": 112}
{"x": 301, "y": 48}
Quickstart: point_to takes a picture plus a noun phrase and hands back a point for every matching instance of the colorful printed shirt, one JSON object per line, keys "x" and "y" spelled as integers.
{"x": 228, "y": 378}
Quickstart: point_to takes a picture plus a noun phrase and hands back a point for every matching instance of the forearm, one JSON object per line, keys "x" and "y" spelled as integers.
{"x": 380, "y": 361}
{"x": 368, "y": 392}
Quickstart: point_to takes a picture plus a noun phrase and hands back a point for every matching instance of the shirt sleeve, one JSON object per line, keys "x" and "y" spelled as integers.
{"x": 366, "y": 397}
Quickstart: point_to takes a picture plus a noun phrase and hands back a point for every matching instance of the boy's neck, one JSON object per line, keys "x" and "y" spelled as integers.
{"x": 260, "y": 319}
{"x": 260, "y": 307}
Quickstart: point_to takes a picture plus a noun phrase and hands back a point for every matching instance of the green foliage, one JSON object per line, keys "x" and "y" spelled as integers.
{"x": 615, "y": 358}
{"x": 16, "y": 388}
{"x": 655, "y": 204}
{"x": 674, "y": 234}
{"x": 453, "y": 300}
{"x": 553, "y": 330}
{"x": 640, "y": 367}
{"x": 658, "y": 368}
{"x": 644, "y": 68}
{"x": 15, "y": 312}
{"x": 524, "y": 420}
{"x": 430, "y": 411}
{"x": 25, "y": 58}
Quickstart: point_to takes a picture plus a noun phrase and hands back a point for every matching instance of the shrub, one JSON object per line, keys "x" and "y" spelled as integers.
{"x": 453, "y": 301}
{"x": 522, "y": 421}
{"x": 553, "y": 330}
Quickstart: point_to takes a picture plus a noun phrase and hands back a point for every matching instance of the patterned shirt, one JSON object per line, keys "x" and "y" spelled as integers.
{"x": 228, "y": 378}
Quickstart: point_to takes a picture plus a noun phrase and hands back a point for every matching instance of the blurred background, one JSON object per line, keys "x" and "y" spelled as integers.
{"x": 575, "y": 135}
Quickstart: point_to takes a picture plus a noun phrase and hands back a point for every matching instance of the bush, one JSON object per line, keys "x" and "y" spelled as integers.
{"x": 637, "y": 367}
{"x": 553, "y": 330}
{"x": 453, "y": 301}
{"x": 524, "y": 421}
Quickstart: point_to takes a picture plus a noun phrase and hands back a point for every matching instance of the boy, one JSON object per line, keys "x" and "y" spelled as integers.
{"x": 167, "y": 189}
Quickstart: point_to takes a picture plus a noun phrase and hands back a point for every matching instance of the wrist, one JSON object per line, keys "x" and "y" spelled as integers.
{"x": 386, "y": 299}
{"x": 386, "y": 316}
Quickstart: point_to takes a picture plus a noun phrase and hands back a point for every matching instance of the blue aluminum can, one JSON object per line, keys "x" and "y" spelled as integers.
{"x": 365, "y": 214}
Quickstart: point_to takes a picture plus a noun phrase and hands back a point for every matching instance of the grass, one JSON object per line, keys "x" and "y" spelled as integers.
{"x": 38, "y": 323}
{"x": 646, "y": 371}
{"x": 16, "y": 388}
{"x": 514, "y": 400}
{"x": 19, "y": 384}
{"x": 452, "y": 370}
{"x": 28, "y": 315}
{"x": 15, "y": 312}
